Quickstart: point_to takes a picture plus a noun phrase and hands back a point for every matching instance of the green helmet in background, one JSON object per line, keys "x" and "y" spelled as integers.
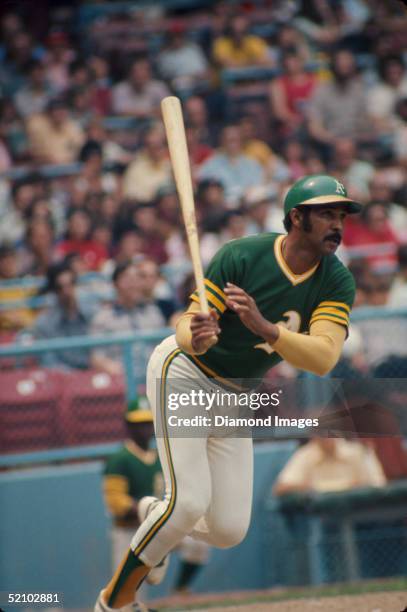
{"x": 318, "y": 189}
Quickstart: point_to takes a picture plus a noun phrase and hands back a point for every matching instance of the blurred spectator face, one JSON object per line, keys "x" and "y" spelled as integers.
{"x": 231, "y": 141}
{"x": 293, "y": 64}
{"x": 58, "y": 114}
{"x": 144, "y": 218}
{"x": 344, "y": 153}
{"x": 155, "y": 144}
{"x": 393, "y": 72}
{"x": 287, "y": 37}
{"x": 65, "y": 288}
{"x": 140, "y": 73}
{"x": 380, "y": 190}
{"x": 214, "y": 195}
{"x": 37, "y": 76}
{"x": 196, "y": 111}
{"x": 8, "y": 263}
{"x": 130, "y": 245}
{"x": 149, "y": 274}
{"x": 344, "y": 66}
{"x": 235, "y": 225}
{"x": 10, "y": 25}
{"x": 103, "y": 235}
{"x": 93, "y": 163}
{"x": 81, "y": 100}
{"x": 96, "y": 131}
{"x": 247, "y": 128}
{"x": 294, "y": 151}
{"x": 376, "y": 217}
{"x": 378, "y": 291}
{"x": 109, "y": 207}
{"x": 23, "y": 196}
{"x": 238, "y": 27}
{"x": 168, "y": 206}
{"x": 99, "y": 67}
{"x": 40, "y": 236}
{"x": 314, "y": 164}
{"x": 40, "y": 209}
{"x": 129, "y": 286}
{"x": 21, "y": 47}
{"x": 79, "y": 76}
{"x": 79, "y": 226}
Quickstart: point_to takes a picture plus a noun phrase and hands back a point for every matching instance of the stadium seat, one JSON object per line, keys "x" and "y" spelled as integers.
{"x": 29, "y": 410}
{"x": 92, "y": 407}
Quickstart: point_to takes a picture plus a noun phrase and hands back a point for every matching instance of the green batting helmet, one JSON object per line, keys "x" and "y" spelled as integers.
{"x": 318, "y": 189}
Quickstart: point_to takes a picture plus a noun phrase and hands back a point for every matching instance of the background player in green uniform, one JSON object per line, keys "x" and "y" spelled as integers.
{"x": 273, "y": 297}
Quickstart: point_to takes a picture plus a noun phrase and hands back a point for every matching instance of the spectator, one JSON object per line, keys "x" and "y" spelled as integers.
{"x": 59, "y": 55}
{"x": 353, "y": 172}
{"x": 54, "y": 137}
{"x": 257, "y": 148}
{"x": 263, "y": 212}
{"x": 150, "y": 280}
{"x": 34, "y": 97}
{"x": 398, "y": 291}
{"x": 101, "y": 85}
{"x": 128, "y": 313}
{"x": 290, "y": 94}
{"x": 383, "y": 97}
{"x": 13, "y": 223}
{"x": 92, "y": 178}
{"x": 12, "y": 130}
{"x": 182, "y": 62}
{"x": 15, "y": 318}
{"x": 233, "y": 225}
{"x": 330, "y": 464}
{"x": 232, "y": 167}
{"x": 68, "y": 316}
{"x": 198, "y": 152}
{"x": 338, "y": 108}
{"x": 140, "y": 95}
{"x": 196, "y": 115}
{"x": 77, "y": 240}
{"x": 295, "y": 158}
{"x": 237, "y": 48}
{"x": 112, "y": 152}
{"x": 372, "y": 237}
{"x": 381, "y": 192}
{"x": 150, "y": 169}
{"x": 144, "y": 218}
{"x": 36, "y": 256}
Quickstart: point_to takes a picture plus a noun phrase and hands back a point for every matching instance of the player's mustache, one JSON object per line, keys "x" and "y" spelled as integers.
{"x": 335, "y": 237}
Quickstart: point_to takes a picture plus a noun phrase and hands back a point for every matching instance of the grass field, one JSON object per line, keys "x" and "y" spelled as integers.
{"x": 377, "y": 596}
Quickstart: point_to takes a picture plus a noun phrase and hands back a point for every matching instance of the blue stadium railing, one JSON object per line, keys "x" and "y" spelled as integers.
{"x": 126, "y": 341}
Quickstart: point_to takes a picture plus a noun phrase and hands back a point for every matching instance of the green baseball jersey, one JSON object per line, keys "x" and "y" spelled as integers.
{"x": 256, "y": 264}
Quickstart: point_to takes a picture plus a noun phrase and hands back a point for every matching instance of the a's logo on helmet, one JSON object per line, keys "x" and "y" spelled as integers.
{"x": 340, "y": 188}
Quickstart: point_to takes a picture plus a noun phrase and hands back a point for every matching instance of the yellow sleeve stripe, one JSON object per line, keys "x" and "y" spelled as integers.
{"x": 334, "y": 311}
{"x": 213, "y": 301}
{"x": 337, "y": 304}
{"x": 327, "y": 317}
{"x": 215, "y": 288}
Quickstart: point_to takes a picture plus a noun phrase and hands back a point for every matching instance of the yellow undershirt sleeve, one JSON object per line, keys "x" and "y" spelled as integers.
{"x": 317, "y": 352}
{"x": 115, "y": 489}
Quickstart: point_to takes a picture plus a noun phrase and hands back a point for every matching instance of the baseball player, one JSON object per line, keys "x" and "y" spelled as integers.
{"x": 272, "y": 297}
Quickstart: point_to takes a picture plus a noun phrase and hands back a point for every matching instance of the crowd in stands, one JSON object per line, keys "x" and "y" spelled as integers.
{"x": 271, "y": 91}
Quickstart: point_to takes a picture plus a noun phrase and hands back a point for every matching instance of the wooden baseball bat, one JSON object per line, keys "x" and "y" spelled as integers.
{"x": 177, "y": 144}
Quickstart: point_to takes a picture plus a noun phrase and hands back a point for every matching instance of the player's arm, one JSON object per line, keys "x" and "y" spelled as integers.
{"x": 317, "y": 352}
{"x": 118, "y": 501}
{"x": 195, "y": 331}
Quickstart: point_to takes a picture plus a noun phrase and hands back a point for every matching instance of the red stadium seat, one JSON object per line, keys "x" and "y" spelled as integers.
{"x": 29, "y": 410}
{"x": 92, "y": 407}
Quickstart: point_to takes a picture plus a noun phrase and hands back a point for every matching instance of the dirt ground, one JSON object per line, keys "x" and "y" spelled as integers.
{"x": 369, "y": 602}
{"x": 381, "y": 601}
